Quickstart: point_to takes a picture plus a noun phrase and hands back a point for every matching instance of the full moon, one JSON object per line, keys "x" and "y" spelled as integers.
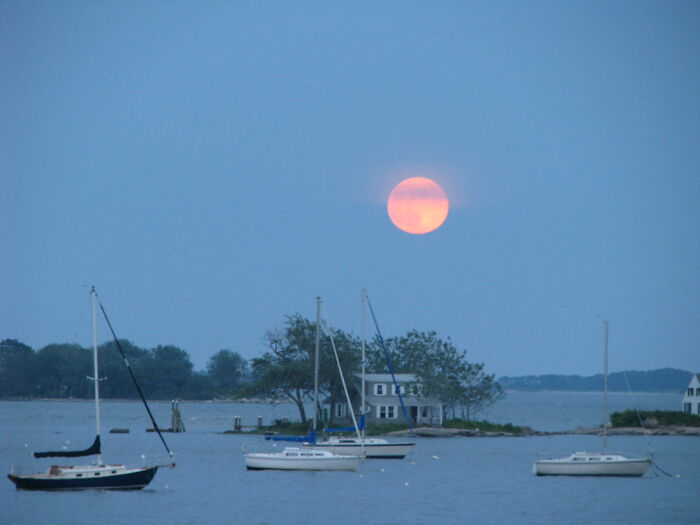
{"x": 417, "y": 205}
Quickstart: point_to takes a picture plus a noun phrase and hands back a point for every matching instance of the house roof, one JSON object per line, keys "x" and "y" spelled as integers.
{"x": 386, "y": 378}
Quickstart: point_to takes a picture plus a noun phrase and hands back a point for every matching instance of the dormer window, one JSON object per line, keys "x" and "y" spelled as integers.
{"x": 690, "y": 391}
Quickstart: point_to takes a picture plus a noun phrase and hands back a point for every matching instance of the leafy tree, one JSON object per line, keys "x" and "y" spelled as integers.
{"x": 226, "y": 369}
{"x": 442, "y": 371}
{"x": 117, "y": 382}
{"x": 286, "y": 369}
{"x": 168, "y": 372}
{"x": 17, "y": 369}
{"x": 200, "y": 386}
{"x": 63, "y": 369}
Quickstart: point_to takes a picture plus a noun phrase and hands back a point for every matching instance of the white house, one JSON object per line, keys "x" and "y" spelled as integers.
{"x": 383, "y": 403}
{"x": 691, "y": 399}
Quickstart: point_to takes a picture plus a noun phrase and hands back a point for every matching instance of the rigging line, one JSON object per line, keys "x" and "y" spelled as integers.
{"x": 133, "y": 378}
{"x": 656, "y": 466}
{"x": 82, "y": 318}
{"x": 342, "y": 379}
{"x": 639, "y": 416}
{"x": 391, "y": 368}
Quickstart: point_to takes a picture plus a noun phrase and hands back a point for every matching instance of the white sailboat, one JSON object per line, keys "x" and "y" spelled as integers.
{"x": 307, "y": 457}
{"x": 595, "y": 463}
{"x": 360, "y": 445}
{"x": 300, "y": 458}
{"x": 95, "y": 476}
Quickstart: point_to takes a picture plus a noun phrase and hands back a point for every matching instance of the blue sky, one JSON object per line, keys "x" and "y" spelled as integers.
{"x": 212, "y": 167}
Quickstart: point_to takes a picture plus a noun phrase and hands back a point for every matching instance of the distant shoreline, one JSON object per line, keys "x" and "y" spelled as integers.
{"x": 246, "y": 401}
{"x": 282, "y": 401}
{"x": 644, "y": 392}
{"x": 528, "y": 432}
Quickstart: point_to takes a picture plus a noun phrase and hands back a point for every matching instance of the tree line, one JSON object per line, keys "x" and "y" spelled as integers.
{"x": 285, "y": 370}
{"x": 661, "y": 380}
{"x": 63, "y": 371}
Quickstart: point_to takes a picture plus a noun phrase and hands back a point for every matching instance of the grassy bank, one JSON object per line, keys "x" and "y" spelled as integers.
{"x": 654, "y": 418}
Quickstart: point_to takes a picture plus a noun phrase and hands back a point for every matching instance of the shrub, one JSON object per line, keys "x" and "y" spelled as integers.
{"x": 629, "y": 418}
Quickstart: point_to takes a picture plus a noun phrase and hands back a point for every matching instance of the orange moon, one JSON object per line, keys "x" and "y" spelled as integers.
{"x": 417, "y": 205}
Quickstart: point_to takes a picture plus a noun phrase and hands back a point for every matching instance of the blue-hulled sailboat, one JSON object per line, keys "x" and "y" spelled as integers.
{"x": 97, "y": 475}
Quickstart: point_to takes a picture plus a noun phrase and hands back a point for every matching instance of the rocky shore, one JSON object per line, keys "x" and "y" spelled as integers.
{"x": 621, "y": 431}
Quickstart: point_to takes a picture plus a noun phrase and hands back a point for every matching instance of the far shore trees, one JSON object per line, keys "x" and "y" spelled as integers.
{"x": 225, "y": 369}
{"x": 284, "y": 371}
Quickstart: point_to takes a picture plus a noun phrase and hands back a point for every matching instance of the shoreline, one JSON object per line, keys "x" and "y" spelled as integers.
{"x": 675, "y": 430}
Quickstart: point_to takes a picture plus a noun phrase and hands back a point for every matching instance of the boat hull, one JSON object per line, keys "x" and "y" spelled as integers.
{"x": 369, "y": 449}
{"x": 71, "y": 478}
{"x": 299, "y": 459}
{"x": 618, "y": 467}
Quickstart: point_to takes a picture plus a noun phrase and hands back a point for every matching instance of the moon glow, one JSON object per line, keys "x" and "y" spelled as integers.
{"x": 417, "y": 205}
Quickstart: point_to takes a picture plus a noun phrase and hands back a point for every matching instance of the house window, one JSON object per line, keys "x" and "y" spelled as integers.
{"x": 386, "y": 412}
{"x": 690, "y": 391}
{"x": 379, "y": 389}
{"x": 423, "y": 411}
{"x": 399, "y": 388}
{"x": 697, "y": 391}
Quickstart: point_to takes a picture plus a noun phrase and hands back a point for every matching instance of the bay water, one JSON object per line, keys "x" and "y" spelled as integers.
{"x": 443, "y": 481}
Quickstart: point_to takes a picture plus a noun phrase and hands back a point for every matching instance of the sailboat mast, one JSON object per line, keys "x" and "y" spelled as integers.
{"x": 605, "y": 385}
{"x": 362, "y": 335}
{"x": 318, "y": 343}
{"x": 95, "y": 371}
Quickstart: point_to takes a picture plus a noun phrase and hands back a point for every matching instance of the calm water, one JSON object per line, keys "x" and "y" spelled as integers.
{"x": 450, "y": 481}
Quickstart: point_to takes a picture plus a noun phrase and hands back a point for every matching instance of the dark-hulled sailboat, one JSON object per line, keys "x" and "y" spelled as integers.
{"x": 98, "y": 475}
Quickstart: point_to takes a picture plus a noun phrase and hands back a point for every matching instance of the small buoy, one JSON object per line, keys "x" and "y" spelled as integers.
{"x": 405, "y": 484}
{"x": 381, "y": 470}
{"x": 436, "y": 457}
{"x": 413, "y": 463}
